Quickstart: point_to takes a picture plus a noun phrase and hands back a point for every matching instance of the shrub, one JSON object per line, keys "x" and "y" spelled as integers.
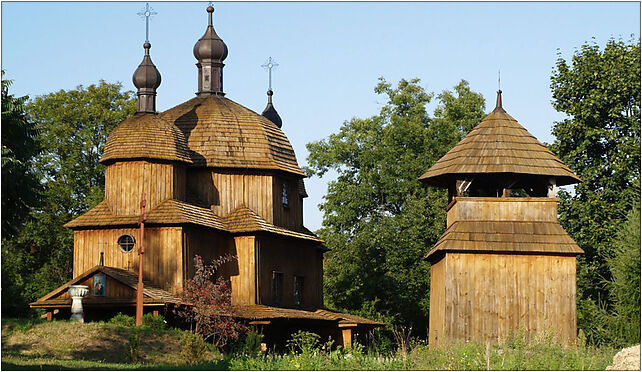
{"x": 252, "y": 342}
{"x": 303, "y": 341}
{"x": 210, "y": 304}
{"x": 193, "y": 348}
{"x": 122, "y": 320}
{"x": 155, "y": 323}
{"x": 133, "y": 347}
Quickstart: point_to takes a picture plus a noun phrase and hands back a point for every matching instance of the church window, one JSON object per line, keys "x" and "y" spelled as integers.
{"x": 284, "y": 194}
{"x": 126, "y": 243}
{"x": 277, "y": 287}
{"x": 298, "y": 290}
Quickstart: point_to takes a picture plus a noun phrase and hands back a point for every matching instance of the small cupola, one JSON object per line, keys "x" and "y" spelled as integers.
{"x": 147, "y": 79}
{"x": 210, "y": 51}
{"x": 270, "y": 112}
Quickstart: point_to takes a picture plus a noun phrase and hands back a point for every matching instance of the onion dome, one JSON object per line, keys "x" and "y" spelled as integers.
{"x": 210, "y": 51}
{"x": 146, "y": 136}
{"x": 222, "y": 133}
{"x": 147, "y": 79}
{"x": 498, "y": 150}
{"x": 270, "y": 112}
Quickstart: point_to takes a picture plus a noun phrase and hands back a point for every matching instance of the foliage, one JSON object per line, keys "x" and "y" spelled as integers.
{"x": 303, "y": 342}
{"x": 122, "y": 320}
{"x": 252, "y": 342}
{"x": 600, "y": 141}
{"x": 378, "y": 219}
{"x": 193, "y": 348}
{"x": 154, "y": 323}
{"x": 133, "y": 347}
{"x": 71, "y": 128}
{"x": 625, "y": 285}
{"x": 20, "y": 186}
{"x": 36, "y": 349}
{"x": 210, "y": 304}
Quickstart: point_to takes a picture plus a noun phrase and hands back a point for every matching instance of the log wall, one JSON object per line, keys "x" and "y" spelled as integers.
{"x": 488, "y": 296}
{"x": 292, "y": 258}
{"x": 223, "y": 191}
{"x": 502, "y": 209}
{"x": 163, "y": 264}
{"x": 125, "y": 181}
{"x": 292, "y": 216}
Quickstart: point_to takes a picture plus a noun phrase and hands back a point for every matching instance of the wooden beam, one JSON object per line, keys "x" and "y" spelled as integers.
{"x": 260, "y": 322}
{"x": 346, "y": 337}
{"x": 345, "y": 325}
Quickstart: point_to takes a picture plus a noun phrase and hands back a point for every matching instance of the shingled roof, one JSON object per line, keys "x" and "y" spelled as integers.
{"x": 222, "y": 133}
{"x": 175, "y": 212}
{"x": 499, "y": 144}
{"x": 151, "y": 293}
{"x": 506, "y": 236}
{"x": 146, "y": 136}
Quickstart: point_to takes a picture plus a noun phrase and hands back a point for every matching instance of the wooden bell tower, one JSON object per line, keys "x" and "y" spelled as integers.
{"x": 504, "y": 261}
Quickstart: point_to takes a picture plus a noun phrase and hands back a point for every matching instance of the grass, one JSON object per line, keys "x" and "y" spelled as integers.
{"x": 61, "y": 345}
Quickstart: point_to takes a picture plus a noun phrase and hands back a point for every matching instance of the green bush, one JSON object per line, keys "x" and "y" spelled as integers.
{"x": 155, "y": 323}
{"x": 122, "y": 320}
{"x": 303, "y": 341}
{"x": 193, "y": 348}
{"x": 252, "y": 343}
{"x": 133, "y": 347}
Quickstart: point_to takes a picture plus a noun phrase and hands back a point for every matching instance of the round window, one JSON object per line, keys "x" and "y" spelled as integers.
{"x": 126, "y": 243}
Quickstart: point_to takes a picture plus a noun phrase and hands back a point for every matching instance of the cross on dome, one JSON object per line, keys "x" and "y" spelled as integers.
{"x": 269, "y": 65}
{"x": 147, "y": 13}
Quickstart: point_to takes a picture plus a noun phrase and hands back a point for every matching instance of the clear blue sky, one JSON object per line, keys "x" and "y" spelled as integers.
{"x": 330, "y": 54}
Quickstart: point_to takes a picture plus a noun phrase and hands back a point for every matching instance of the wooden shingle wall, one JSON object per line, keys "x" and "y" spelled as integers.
{"x": 488, "y": 296}
{"x": 125, "y": 181}
{"x": 163, "y": 253}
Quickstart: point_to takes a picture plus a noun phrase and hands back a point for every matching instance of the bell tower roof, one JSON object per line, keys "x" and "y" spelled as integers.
{"x": 498, "y": 145}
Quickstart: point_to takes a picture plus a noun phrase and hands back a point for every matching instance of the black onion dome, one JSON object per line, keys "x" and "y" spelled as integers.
{"x": 147, "y": 75}
{"x": 270, "y": 112}
{"x": 210, "y": 46}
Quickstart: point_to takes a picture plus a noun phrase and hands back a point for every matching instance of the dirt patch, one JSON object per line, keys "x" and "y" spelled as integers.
{"x": 626, "y": 360}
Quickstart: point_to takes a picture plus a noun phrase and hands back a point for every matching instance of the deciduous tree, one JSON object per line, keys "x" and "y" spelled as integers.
{"x": 72, "y": 127}
{"x": 379, "y": 221}
{"x": 599, "y": 91}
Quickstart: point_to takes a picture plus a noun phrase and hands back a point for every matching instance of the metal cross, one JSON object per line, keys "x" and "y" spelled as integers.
{"x": 499, "y": 79}
{"x": 269, "y": 65}
{"x": 147, "y": 13}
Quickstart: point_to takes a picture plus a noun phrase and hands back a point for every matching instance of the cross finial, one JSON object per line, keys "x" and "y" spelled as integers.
{"x": 499, "y": 79}
{"x": 269, "y": 65}
{"x": 148, "y": 12}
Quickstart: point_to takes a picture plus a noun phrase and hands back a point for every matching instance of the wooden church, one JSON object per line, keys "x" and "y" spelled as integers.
{"x": 504, "y": 262}
{"x": 218, "y": 178}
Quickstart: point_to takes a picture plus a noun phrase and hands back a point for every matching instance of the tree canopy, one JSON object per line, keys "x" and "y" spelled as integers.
{"x": 71, "y": 127}
{"x": 20, "y": 186}
{"x": 378, "y": 220}
{"x": 599, "y": 91}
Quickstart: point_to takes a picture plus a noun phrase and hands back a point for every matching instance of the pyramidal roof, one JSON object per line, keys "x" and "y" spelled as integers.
{"x": 499, "y": 144}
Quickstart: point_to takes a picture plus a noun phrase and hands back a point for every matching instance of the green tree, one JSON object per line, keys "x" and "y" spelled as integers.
{"x": 600, "y": 140}
{"x": 20, "y": 186}
{"x": 72, "y": 128}
{"x": 379, "y": 221}
{"x": 625, "y": 285}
